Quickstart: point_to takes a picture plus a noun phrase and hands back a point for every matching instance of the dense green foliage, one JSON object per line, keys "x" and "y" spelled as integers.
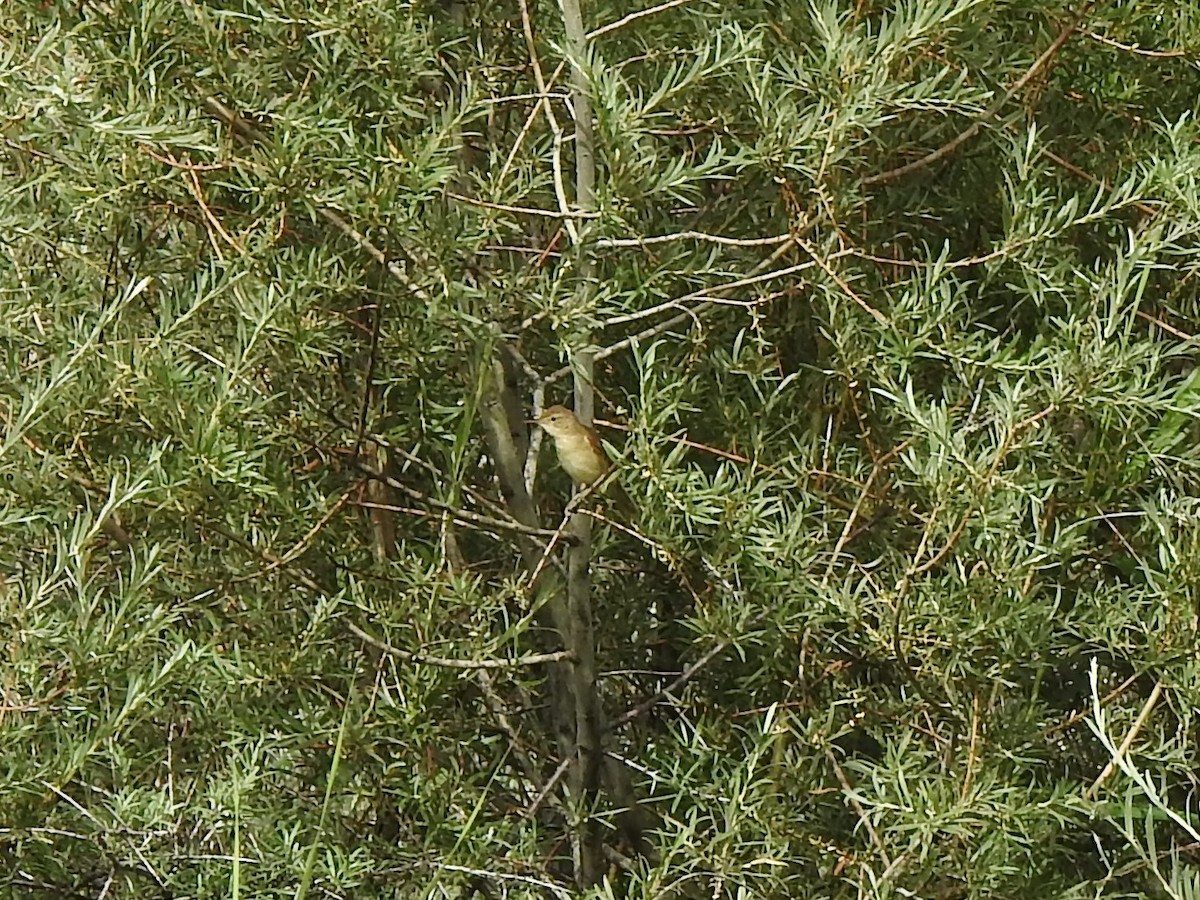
{"x": 914, "y": 449}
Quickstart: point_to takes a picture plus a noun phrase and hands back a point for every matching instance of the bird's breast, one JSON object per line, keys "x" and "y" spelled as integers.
{"x": 582, "y": 463}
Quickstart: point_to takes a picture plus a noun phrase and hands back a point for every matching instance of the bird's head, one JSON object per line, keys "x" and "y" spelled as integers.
{"x": 558, "y": 421}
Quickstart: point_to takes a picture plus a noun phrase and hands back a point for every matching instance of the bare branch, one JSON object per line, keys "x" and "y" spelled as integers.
{"x": 633, "y": 17}
{"x": 610, "y": 243}
{"x": 1140, "y": 51}
{"x": 532, "y": 659}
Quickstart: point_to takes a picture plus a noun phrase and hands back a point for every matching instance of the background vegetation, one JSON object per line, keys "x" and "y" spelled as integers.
{"x": 892, "y": 303}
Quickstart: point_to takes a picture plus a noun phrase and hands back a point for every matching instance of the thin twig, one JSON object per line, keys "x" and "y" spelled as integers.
{"x": 1088, "y": 176}
{"x": 1130, "y": 737}
{"x": 946, "y": 548}
{"x": 547, "y": 553}
{"x": 695, "y": 445}
{"x": 840, "y": 282}
{"x": 633, "y": 17}
{"x": 301, "y": 544}
{"x": 543, "y": 103}
{"x": 662, "y": 553}
{"x": 1169, "y": 329}
{"x": 393, "y": 268}
{"x": 560, "y": 188}
{"x": 171, "y": 161}
{"x": 518, "y": 746}
{"x": 550, "y": 886}
{"x": 433, "y": 470}
{"x": 193, "y": 182}
{"x": 972, "y": 751}
{"x": 532, "y": 95}
{"x": 844, "y": 537}
{"x": 248, "y": 133}
{"x": 545, "y": 792}
{"x": 524, "y": 210}
{"x": 902, "y": 591}
{"x": 848, "y": 792}
{"x": 532, "y": 659}
{"x": 1083, "y": 714}
{"x": 977, "y": 126}
{"x": 1140, "y": 51}
{"x": 613, "y": 243}
{"x": 364, "y": 406}
{"x": 465, "y": 515}
{"x": 687, "y": 675}
{"x": 668, "y": 324}
{"x": 717, "y": 289}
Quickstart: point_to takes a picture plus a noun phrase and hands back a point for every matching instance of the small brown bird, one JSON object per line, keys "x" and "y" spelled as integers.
{"x": 580, "y": 452}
